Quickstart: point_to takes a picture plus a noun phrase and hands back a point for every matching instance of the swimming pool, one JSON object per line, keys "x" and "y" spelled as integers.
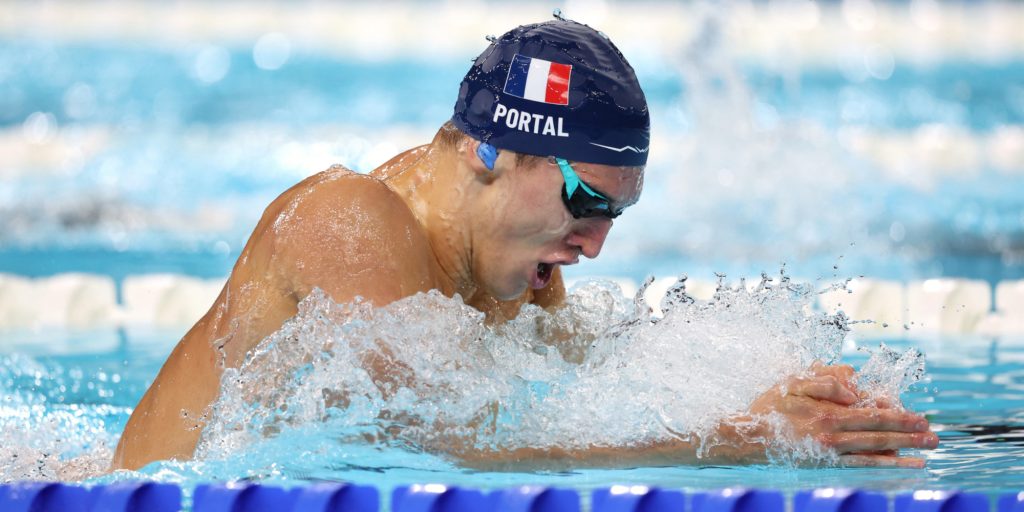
{"x": 150, "y": 156}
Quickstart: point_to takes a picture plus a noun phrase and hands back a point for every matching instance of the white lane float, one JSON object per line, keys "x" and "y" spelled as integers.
{"x": 17, "y": 302}
{"x": 167, "y": 300}
{"x": 955, "y": 306}
{"x": 1008, "y": 319}
{"x": 68, "y": 301}
{"x": 880, "y": 301}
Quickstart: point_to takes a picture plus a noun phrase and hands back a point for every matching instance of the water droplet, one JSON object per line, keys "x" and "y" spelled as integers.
{"x": 557, "y": 13}
{"x": 491, "y": 38}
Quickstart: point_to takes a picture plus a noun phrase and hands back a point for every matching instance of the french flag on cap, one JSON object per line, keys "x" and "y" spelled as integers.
{"x": 538, "y": 80}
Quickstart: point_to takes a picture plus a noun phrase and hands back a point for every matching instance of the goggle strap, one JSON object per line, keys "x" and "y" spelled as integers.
{"x": 572, "y": 182}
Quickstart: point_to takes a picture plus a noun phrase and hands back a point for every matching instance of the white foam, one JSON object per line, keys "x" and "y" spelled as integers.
{"x": 627, "y": 285}
{"x": 655, "y": 292}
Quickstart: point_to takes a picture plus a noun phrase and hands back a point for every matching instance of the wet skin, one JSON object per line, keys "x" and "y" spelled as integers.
{"x": 435, "y": 218}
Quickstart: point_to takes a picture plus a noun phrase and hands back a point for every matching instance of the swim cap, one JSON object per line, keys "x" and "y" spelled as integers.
{"x": 558, "y": 88}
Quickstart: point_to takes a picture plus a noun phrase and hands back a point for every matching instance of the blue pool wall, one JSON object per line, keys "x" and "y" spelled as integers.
{"x": 142, "y": 496}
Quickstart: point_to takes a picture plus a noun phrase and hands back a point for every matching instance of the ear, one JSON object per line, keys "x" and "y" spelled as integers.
{"x": 469, "y": 157}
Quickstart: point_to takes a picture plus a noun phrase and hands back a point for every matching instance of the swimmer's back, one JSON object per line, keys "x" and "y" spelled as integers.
{"x": 336, "y": 230}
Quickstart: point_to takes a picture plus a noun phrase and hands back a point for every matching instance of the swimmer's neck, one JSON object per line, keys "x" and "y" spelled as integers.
{"x": 430, "y": 181}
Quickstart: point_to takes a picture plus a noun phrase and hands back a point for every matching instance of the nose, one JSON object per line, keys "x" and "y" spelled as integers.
{"x": 589, "y": 235}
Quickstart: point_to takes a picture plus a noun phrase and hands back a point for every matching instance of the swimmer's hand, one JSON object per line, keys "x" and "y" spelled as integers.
{"x": 817, "y": 406}
{"x": 836, "y": 383}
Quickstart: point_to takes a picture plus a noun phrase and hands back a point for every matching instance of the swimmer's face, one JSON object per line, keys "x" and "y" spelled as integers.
{"x": 530, "y": 231}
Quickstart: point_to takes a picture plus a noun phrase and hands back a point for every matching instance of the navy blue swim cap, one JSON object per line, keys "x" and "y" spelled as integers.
{"x": 558, "y": 88}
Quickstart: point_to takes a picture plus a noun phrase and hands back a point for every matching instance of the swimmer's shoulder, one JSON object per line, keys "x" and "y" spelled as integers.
{"x": 338, "y": 193}
{"x": 364, "y": 198}
{"x": 351, "y": 232}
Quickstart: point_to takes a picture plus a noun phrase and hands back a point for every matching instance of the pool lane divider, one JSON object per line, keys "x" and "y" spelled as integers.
{"x": 144, "y": 496}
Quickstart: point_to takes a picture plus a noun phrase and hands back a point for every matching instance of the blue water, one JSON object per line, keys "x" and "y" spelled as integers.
{"x": 177, "y": 145}
{"x": 153, "y": 86}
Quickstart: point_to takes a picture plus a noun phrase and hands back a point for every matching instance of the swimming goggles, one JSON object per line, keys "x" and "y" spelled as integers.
{"x": 581, "y": 200}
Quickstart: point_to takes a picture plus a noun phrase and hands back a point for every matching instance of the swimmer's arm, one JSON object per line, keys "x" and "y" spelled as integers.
{"x": 855, "y": 448}
{"x": 338, "y": 231}
{"x": 168, "y": 420}
{"x": 666, "y": 452}
{"x": 816, "y": 406}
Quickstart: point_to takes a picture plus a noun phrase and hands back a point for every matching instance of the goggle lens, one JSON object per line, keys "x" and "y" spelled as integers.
{"x": 581, "y": 200}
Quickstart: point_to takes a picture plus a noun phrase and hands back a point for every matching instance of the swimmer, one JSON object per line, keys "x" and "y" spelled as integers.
{"x": 546, "y": 147}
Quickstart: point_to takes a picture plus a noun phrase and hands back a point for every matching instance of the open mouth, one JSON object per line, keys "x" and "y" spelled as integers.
{"x": 543, "y": 275}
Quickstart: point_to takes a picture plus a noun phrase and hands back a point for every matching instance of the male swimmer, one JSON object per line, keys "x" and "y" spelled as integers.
{"x": 546, "y": 147}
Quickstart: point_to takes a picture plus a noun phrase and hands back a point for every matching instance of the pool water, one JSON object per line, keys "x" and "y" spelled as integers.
{"x": 143, "y": 168}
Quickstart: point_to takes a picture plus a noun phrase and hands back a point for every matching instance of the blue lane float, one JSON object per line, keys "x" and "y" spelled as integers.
{"x": 325, "y": 497}
{"x": 337, "y": 497}
{"x": 533, "y": 499}
{"x": 132, "y": 496}
{"x": 941, "y": 501}
{"x": 739, "y": 500}
{"x": 636, "y": 498}
{"x": 1011, "y": 502}
{"x": 839, "y": 500}
{"x": 43, "y": 497}
{"x": 240, "y": 497}
{"x": 334, "y": 497}
{"x": 437, "y": 498}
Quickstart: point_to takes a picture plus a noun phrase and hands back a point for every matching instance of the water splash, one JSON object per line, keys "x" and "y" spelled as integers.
{"x": 427, "y": 373}
{"x": 45, "y": 439}
{"x": 887, "y": 374}
{"x": 426, "y": 382}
